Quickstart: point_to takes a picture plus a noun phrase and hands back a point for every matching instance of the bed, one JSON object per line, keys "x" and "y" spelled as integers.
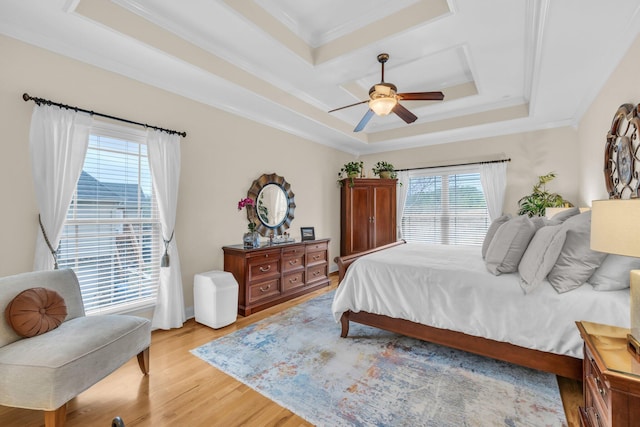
{"x": 446, "y": 295}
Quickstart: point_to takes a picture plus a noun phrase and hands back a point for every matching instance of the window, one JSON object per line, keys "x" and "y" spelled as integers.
{"x": 111, "y": 237}
{"x": 445, "y": 207}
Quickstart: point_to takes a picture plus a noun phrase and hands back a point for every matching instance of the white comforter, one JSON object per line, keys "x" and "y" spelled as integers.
{"x": 449, "y": 287}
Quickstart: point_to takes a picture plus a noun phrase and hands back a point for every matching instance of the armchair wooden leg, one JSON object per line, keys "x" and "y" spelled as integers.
{"x": 55, "y": 418}
{"x": 143, "y": 360}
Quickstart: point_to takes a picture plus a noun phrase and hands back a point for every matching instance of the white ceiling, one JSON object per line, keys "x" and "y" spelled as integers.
{"x": 504, "y": 66}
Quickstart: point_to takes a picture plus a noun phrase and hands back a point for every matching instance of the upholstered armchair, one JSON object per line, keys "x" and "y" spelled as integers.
{"x": 45, "y": 371}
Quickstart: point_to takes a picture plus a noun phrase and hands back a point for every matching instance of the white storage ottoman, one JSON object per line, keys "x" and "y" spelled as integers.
{"x": 215, "y": 298}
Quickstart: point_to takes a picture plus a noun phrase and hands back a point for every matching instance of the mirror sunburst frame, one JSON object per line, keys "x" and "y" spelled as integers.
{"x": 254, "y": 193}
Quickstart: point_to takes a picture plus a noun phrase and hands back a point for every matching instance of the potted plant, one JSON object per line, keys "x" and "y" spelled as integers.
{"x": 536, "y": 203}
{"x": 384, "y": 170}
{"x": 350, "y": 170}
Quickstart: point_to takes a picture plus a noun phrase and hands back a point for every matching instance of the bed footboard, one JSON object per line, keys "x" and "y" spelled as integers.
{"x": 345, "y": 261}
{"x": 565, "y": 366}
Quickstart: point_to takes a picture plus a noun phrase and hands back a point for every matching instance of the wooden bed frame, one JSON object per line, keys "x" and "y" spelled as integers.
{"x": 565, "y": 366}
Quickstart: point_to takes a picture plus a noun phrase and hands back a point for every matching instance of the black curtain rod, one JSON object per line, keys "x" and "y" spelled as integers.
{"x": 41, "y": 101}
{"x": 459, "y": 164}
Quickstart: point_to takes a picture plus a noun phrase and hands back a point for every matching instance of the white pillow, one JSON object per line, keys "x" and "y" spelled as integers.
{"x": 508, "y": 245}
{"x": 492, "y": 231}
{"x": 540, "y": 256}
{"x": 562, "y": 216}
{"x": 613, "y": 273}
{"x": 576, "y": 262}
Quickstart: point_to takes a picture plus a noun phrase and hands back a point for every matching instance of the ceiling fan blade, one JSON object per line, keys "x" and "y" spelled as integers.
{"x": 347, "y": 106}
{"x": 421, "y": 96}
{"x": 365, "y": 120}
{"x": 404, "y": 114}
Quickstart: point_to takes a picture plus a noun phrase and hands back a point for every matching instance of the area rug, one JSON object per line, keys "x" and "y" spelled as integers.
{"x": 376, "y": 378}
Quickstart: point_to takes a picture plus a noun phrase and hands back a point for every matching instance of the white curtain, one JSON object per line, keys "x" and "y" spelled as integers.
{"x": 164, "y": 162}
{"x": 493, "y": 177}
{"x": 58, "y": 140}
{"x": 401, "y": 197}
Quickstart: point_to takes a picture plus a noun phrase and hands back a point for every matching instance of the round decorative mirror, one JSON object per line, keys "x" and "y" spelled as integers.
{"x": 621, "y": 158}
{"x": 274, "y": 204}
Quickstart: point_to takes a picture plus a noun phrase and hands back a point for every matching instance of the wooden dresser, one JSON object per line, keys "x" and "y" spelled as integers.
{"x": 272, "y": 274}
{"x": 368, "y": 214}
{"x": 611, "y": 378}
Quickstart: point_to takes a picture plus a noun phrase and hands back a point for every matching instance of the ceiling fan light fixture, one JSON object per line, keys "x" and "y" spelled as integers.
{"x": 383, "y": 105}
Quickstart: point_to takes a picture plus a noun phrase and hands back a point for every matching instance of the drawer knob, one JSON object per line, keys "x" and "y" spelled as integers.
{"x": 294, "y": 280}
{"x": 265, "y": 289}
{"x": 316, "y": 257}
{"x": 315, "y": 273}
{"x": 263, "y": 269}
{"x": 599, "y": 387}
{"x": 293, "y": 262}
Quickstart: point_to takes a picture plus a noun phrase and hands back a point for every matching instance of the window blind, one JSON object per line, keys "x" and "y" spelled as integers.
{"x": 111, "y": 237}
{"x": 445, "y": 208}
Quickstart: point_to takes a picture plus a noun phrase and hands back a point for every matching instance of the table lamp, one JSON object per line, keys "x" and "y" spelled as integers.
{"x": 615, "y": 229}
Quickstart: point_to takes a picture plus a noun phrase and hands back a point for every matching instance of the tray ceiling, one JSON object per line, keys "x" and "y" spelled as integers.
{"x": 505, "y": 66}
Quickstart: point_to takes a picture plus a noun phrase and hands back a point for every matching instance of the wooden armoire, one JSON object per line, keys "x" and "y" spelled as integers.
{"x": 368, "y": 214}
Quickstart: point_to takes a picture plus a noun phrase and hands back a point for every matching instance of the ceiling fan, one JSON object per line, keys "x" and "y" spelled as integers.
{"x": 384, "y": 97}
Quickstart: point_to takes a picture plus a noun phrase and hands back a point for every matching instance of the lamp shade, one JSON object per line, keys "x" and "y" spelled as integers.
{"x": 615, "y": 226}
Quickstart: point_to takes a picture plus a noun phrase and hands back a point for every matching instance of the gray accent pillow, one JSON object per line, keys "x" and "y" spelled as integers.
{"x": 492, "y": 231}
{"x": 577, "y": 261}
{"x": 613, "y": 273}
{"x": 540, "y": 256}
{"x": 562, "y": 216}
{"x": 508, "y": 245}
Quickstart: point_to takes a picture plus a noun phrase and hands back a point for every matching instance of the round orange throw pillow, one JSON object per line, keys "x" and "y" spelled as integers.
{"x": 35, "y": 311}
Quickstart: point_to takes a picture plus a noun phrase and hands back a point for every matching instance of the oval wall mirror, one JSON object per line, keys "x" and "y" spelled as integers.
{"x": 274, "y": 204}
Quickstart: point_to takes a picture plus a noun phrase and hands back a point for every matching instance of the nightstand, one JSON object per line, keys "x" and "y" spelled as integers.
{"x": 611, "y": 378}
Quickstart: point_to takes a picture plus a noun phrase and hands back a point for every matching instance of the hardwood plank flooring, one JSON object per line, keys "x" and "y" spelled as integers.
{"x": 183, "y": 390}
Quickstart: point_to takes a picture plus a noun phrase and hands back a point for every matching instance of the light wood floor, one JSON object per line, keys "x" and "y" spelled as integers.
{"x": 183, "y": 390}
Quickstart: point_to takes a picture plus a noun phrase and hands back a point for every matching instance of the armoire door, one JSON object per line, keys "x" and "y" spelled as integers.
{"x": 383, "y": 224}
{"x": 358, "y": 238}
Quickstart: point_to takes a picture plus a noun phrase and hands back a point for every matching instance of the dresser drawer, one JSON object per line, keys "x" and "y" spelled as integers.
{"x": 264, "y": 290}
{"x": 316, "y": 257}
{"x": 321, "y": 246}
{"x": 293, "y": 251}
{"x": 316, "y": 273}
{"x": 293, "y": 281}
{"x": 293, "y": 263}
{"x": 597, "y": 393}
{"x": 589, "y": 417}
{"x": 261, "y": 269}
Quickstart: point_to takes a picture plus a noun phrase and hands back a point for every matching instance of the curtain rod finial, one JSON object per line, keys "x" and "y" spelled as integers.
{"x": 26, "y": 97}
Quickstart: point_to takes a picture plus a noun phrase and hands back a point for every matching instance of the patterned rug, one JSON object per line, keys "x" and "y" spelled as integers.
{"x": 375, "y": 378}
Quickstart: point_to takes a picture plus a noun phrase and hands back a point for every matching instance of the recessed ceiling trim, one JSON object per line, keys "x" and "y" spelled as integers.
{"x": 493, "y": 116}
{"x": 273, "y": 27}
{"x": 127, "y": 23}
{"x": 535, "y": 24}
{"x": 421, "y": 13}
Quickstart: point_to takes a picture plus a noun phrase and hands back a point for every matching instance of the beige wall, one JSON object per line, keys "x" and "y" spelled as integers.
{"x": 221, "y": 156}
{"x": 532, "y": 154}
{"x": 621, "y": 88}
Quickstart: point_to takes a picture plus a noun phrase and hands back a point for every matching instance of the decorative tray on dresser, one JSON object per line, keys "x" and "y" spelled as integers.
{"x": 274, "y": 273}
{"x": 611, "y": 378}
